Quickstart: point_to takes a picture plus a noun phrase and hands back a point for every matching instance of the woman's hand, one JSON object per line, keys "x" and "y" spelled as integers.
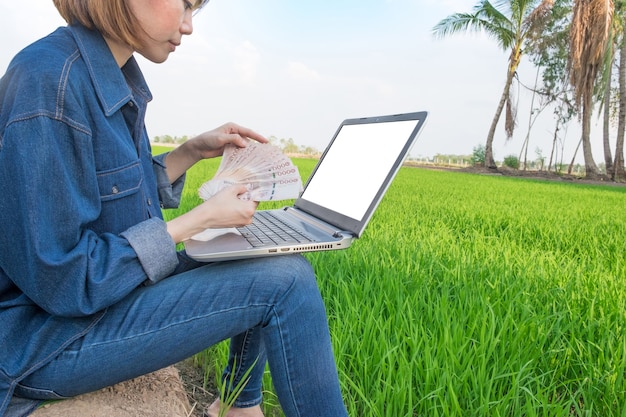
{"x": 224, "y": 209}
{"x": 211, "y": 144}
{"x": 208, "y": 145}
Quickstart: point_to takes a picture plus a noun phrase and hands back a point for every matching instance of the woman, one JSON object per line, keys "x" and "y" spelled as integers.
{"x": 92, "y": 290}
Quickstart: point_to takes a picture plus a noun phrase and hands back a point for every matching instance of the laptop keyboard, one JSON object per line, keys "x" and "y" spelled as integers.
{"x": 268, "y": 230}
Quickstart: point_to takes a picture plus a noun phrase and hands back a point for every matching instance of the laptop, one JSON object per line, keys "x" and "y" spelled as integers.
{"x": 337, "y": 202}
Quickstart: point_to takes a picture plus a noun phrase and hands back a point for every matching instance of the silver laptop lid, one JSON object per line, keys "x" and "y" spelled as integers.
{"x": 357, "y": 167}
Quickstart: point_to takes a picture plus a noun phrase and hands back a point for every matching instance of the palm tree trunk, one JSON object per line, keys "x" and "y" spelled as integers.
{"x": 571, "y": 165}
{"x": 618, "y": 167}
{"x": 489, "y": 161}
{"x": 606, "y": 128}
{"x": 553, "y": 157}
{"x": 591, "y": 169}
{"x": 514, "y": 60}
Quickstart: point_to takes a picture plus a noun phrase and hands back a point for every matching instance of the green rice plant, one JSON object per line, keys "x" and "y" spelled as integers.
{"x": 229, "y": 391}
{"x": 473, "y": 295}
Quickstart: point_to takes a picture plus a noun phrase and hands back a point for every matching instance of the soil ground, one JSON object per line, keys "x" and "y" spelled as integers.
{"x": 198, "y": 395}
{"x": 159, "y": 394}
{"x": 177, "y": 391}
{"x": 538, "y": 175}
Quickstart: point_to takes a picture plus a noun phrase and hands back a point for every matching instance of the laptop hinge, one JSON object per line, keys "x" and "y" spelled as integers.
{"x": 328, "y": 228}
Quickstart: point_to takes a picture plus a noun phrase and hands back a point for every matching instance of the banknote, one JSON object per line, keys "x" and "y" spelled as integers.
{"x": 267, "y": 173}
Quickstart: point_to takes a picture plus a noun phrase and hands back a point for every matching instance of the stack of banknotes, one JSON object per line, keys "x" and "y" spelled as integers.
{"x": 267, "y": 173}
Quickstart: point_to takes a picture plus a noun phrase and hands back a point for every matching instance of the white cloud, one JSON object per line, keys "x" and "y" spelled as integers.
{"x": 246, "y": 61}
{"x": 299, "y": 71}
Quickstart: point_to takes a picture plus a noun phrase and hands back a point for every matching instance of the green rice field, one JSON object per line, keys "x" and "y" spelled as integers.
{"x": 473, "y": 295}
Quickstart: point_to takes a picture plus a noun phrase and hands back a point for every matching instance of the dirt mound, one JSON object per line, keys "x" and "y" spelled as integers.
{"x": 159, "y": 394}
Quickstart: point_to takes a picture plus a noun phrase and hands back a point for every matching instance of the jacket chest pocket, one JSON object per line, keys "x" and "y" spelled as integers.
{"x": 120, "y": 182}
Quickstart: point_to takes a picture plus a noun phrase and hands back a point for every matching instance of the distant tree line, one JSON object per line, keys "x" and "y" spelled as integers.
{"x": 288, "y": 146}
{"x": 170, "y": 140}
{"x": 477, "y": 158}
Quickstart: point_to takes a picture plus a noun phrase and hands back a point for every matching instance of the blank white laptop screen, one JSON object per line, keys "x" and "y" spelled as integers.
{"x": 350, "y": 191}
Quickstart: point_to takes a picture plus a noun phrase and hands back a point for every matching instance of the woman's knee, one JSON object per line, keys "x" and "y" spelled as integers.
{"x": 294, "y": 268}
{"x": 287, "y": 278}
{"x": 278, "y": 265}
{"x": 298, "y": 265}
{"x": 264, "y": 281}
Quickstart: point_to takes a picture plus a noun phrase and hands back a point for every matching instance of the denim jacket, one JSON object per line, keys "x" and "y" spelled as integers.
{"x": 80, "y": 197}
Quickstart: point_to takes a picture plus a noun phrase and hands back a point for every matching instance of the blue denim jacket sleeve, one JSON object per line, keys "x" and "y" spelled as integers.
{"x": 169, "y": 194}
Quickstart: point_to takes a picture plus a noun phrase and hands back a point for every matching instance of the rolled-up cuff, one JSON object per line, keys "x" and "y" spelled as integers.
{"x": 154, "y": 247}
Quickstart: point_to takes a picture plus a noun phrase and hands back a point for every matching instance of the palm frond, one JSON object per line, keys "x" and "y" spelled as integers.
{"x": 457, "y": 23}
{"x": 535, "y": 22}
{"x": 484, "y": 18}
{"x": 516, "y": 9}
{"x": 590, "y": 31}
{"x": 503, "y": 34}
{"x": 510, "y": 16}
{"x": 493, "y": 14}
{"x": 604, "y": 78}
{"x": 490, "y": 11}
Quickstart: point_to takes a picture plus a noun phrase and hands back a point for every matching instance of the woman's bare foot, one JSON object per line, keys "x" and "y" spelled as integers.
{"x": 214, "y": 410}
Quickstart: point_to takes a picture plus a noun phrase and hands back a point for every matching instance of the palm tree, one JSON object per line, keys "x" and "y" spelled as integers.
{"x": 607, "y": 103}
{"x": 619, "y": 174}
{"x": 509, "y": 22}
{"x": 589, "y": 36}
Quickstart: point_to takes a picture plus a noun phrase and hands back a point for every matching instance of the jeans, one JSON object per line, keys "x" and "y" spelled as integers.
{"x": 270, "y": 308}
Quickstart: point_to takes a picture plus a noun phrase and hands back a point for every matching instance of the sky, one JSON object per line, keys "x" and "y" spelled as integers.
{"x": 295, "y": 69}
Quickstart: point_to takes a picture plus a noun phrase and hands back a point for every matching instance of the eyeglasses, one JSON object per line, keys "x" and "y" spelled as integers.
{"x": 199, "y": 4}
